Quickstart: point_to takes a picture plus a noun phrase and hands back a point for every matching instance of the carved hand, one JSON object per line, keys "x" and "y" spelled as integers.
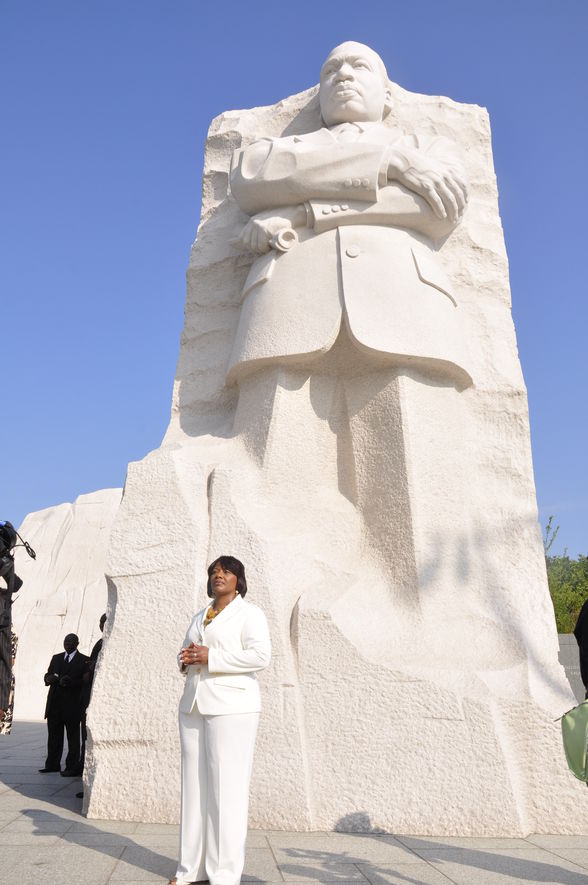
{"x": 259, "y": 230}
{"x": 442, "y": 188}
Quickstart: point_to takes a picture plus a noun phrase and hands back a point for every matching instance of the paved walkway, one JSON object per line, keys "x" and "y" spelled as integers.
{"x": 45, "y": 840}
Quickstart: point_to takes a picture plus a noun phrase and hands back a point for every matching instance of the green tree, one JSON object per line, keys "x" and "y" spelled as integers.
{"x": 568, "y": 582}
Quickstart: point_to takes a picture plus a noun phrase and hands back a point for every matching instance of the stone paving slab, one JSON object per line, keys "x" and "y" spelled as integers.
{"x": 23, "y": 776}
{"x": 255, "y": 839}
{"x": 93, "y": 840}
{"x": 158, "y": 828}
{"x": 45, "y": 840}
{"x": 151, "y": 865}
{"x": 60, "y": 865}
{"x": 561, "y": 841}
{"x": 486, "y": 867}
{"x": 578, "y": 856}
{"x": 404, "y": 874}
{"x": 344, "y": 853}
{"x": 111, "y": 826}
{"x": 328, "y": 872}
{"x": 475, "y": 842}
{"x": 260, "y": 864}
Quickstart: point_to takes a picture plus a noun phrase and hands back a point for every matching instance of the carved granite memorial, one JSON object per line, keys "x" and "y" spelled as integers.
{"x": 349, "y": 419}
{"x": 64, "y": 588}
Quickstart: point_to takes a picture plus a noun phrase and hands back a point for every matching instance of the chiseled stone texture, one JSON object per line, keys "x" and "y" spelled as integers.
{"x": 421, "y": 702}
{"x": 64, "y": 589}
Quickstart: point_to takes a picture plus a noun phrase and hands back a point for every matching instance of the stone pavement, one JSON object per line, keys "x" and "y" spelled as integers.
{"x": 44, "y": 839}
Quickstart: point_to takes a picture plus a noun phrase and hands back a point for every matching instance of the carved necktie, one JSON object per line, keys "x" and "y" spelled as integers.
{"x": 348, "y": 132}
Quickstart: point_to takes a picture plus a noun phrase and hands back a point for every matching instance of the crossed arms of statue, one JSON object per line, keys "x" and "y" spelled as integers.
{"x": 289, "y": 182}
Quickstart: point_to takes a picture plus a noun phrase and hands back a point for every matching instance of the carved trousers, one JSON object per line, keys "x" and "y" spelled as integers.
{"x": 217, "y": 757}
{"x": 388, "y": 438}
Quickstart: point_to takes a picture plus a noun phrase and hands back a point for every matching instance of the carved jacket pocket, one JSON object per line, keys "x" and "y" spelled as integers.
{"x": 431, "y": 273}
{"x": 261, "y": 270}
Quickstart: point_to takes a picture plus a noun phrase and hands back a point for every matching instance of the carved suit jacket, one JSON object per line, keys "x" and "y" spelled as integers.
{"x": 367, "y": 257}
{"x": 238, "y": 645}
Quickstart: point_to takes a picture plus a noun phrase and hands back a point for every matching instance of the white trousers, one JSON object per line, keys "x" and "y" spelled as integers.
{"x": 217, "y": 757}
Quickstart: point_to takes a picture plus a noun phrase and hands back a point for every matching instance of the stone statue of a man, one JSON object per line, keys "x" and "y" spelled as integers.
{"x": 366, "y": 200}
{"x": 347, "y": 307}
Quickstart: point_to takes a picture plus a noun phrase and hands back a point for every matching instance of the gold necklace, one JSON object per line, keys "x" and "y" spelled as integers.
{"x": 213, "y": 612}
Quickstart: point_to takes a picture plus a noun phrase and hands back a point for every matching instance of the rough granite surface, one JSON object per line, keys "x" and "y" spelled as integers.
{"x": 64, "y": 589}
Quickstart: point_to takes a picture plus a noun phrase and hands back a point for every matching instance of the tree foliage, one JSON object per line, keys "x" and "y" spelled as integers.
{"x": 568, "y": 582}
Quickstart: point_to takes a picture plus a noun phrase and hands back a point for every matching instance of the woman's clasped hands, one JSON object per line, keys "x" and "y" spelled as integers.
{"x": 194, "y": 654}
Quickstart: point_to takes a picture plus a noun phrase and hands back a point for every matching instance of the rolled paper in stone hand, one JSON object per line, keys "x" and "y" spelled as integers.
{"x": 284, "y": 239}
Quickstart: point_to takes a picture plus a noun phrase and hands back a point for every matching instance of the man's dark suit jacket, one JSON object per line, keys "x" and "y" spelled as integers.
{"x": 88, "y": 681}
{"x": 581, "y": 634}
{"x": 66, "y": 700}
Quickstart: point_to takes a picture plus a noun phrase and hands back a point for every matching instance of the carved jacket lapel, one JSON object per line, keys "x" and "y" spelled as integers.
{"x": 319, "y": 136}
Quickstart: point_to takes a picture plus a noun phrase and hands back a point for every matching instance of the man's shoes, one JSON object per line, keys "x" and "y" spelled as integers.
{"x": 71, "y": 772}
{"x": 47, "y": 770}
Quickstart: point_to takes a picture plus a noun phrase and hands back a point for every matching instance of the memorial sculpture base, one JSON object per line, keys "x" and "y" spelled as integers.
{"x": 360, "y": 731}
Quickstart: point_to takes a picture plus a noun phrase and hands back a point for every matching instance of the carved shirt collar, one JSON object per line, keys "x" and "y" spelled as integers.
{"x": 362, "y": 126}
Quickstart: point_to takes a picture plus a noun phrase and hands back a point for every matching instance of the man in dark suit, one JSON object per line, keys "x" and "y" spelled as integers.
{"x": 581, "y": 634}
{"x": 86, "y": 694}
{"x": 64, "y": 677}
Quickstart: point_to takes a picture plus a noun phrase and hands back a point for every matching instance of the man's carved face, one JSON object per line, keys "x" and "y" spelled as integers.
{"x": 354, "y": 86}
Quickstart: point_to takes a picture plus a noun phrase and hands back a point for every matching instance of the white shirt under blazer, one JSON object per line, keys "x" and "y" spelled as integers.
{"x": 238, "y": 644}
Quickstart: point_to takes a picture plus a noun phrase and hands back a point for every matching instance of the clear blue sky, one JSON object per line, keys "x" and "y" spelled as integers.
{"x": 105, "y": 108}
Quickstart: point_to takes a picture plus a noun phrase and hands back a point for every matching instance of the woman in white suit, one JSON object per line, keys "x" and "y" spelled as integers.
{"x": 219, "y": 713}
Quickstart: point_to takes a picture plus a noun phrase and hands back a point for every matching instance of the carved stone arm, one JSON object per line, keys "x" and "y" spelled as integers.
{"x": 272, "y": 174}
{"x": 396, "y": 206}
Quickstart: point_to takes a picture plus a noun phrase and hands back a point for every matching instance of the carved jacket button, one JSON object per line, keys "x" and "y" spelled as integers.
{"x": 352, "y": 251}
{"x": 365, "y": 182}
{"x": 356, "y": 182}
{"x": 347, "y": 182}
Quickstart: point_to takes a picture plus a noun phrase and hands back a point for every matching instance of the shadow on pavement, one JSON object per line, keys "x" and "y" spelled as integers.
{"x": 139, "y": 855}
{"x": 359, "y": 825}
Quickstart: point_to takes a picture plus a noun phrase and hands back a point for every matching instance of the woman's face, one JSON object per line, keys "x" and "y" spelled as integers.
{"x": 223, "y": 582}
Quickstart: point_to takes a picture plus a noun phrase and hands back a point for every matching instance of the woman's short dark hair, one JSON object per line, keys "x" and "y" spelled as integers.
{"x": 232, "y": 565}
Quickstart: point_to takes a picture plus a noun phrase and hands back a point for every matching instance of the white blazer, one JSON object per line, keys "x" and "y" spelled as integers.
{"x": 238, "y": 644}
